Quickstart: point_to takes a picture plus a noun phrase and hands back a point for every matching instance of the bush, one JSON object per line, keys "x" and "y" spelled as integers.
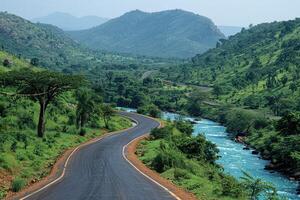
{"x": 17, "y": 184}
{"x": 199, "y": 148}
{"x": 184, "y": 127}
{"x": 168, "y": 159}
{"x": 159, "y": 133}
{"x": 8, "y": 162}
{"x": 181, "y": 174}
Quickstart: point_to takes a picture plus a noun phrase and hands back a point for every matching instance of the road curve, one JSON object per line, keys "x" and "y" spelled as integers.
{"x": 100, "y": 172}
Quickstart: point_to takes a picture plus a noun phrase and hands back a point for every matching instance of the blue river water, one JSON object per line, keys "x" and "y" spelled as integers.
{"x": 235, "y": 160}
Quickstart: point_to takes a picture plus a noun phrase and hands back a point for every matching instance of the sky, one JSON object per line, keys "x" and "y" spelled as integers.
{"x": 222, "y": 12}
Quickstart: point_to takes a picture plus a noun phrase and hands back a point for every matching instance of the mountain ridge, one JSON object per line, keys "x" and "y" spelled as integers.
{"x": 158, "y": 34}
{"x": 68, "y": 22}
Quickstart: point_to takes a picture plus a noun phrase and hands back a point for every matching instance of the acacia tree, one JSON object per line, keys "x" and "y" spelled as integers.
{"x": 42, "y": 87}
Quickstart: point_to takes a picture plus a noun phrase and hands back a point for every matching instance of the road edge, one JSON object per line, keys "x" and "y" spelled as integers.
{"x": 57, "y": 172}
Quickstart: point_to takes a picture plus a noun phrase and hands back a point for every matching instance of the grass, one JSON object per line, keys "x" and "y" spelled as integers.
{"x": 33, "y": 161}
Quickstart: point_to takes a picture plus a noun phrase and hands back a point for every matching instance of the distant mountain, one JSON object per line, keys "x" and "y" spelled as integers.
{"x": 174, "y": 33}
{"x": 230, "y": 30}
{"x": 68, "y": 22}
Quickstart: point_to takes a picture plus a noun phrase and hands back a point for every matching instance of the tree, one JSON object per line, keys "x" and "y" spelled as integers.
{"x": 109, "y": 76}
{"x": 194, "y": 105}
{"x": 6, "y": 63}
{"x": 257, "y": 187}
{"x": 154, "y": 111}
{"x": 217, "y": 90}
{"x": 42, "y": 87}
{"x": 106, "y": 113}
{"x": 293, "y": 87}
{"x": 284, "y": 80}
{"x": 34, "y": 61}
{"x": 85, "y": 106}
{"x": 289, "y": 124}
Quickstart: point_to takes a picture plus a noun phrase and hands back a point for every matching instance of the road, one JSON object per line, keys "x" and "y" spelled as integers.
{"x": 100, "y": 172}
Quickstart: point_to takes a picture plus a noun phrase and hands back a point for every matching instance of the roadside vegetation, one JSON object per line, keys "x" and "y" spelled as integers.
{"x": 190, "y": 162}
{"x": 42, "y": 114}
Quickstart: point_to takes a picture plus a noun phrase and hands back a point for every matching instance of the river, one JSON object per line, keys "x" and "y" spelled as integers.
{"x": 235, "y": 160}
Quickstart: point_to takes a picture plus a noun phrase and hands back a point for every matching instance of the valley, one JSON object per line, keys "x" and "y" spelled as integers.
{"x": 61, "y": 88}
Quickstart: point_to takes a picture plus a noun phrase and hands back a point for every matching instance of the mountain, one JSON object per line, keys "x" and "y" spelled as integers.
{"x": 54, "y": 49}
{"x": 230, "y": 30}
{"x": 68, "y": 22}
{"x": 47, "y": 43}
{"x": 173, "y": 33}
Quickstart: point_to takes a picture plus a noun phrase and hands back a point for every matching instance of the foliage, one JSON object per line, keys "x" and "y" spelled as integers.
{"x": 257, "y": 188}
{"x": 106, "y": 112}
{"x": 189, "y": 161}
{"x": 18, "y": 184}
{"x": 42, "y": 87}
{"x": 289, "y": 124}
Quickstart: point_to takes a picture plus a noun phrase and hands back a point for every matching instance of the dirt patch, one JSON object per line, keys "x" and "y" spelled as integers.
{"x": 131, "y": 155}
{"x": 57, "y": 169}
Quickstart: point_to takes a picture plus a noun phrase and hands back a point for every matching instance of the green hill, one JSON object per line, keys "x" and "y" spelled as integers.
{"x": 50, "y": 47}
{"x": 174, "y": 33}
{"x": 45, "y": 42}
{"x": 256, "y": 68}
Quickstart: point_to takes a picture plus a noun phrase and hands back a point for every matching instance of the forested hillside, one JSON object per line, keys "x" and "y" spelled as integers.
{"x": 48, "y": 46}
{"x": 256, "y": 68}
{"x": 254, "y": 81}
{"x": 174, "y": 33}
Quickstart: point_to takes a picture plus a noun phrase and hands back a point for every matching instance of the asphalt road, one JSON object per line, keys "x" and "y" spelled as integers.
{"x": 99, "y": 171}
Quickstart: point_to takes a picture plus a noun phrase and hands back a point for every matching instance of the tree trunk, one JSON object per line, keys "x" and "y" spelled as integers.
{"x": 41, "y": 125}
{"x": 106, "y": 122}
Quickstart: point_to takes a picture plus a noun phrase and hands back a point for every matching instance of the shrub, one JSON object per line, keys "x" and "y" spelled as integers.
{"x": 8, "y": 162}
{"x": 181, "y": 174}
{"x": 184, "y": 127}
{"x": 17, "y": 184}
{"x": 159, "y": 133}
{"x": 199, "y": 148}
{"x": 168, "y": 159}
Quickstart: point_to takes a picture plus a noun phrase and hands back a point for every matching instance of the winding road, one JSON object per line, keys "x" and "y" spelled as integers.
{"x": 100, "y": 172}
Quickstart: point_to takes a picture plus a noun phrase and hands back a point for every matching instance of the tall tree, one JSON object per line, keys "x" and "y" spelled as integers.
{"x": 85, "y": 106}
{"x": 107, "y": 112}
{"x": 42, "y": 87}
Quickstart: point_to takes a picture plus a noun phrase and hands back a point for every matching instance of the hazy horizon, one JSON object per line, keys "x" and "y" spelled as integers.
{"x": 228, "y": 12}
